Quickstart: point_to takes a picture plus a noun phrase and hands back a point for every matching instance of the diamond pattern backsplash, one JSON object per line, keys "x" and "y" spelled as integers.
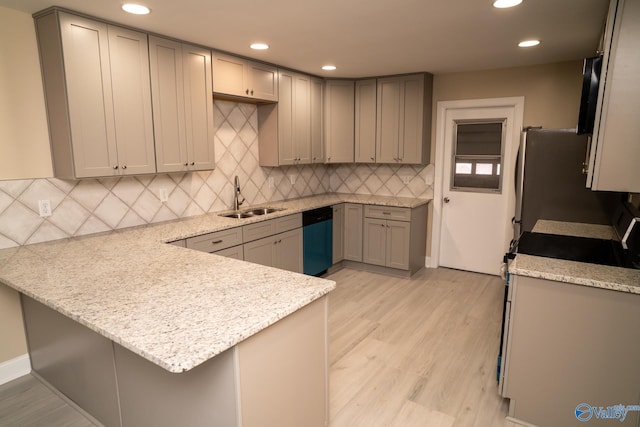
{"x": 96, "y": 205}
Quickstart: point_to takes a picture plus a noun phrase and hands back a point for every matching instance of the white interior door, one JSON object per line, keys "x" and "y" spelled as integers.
{"x": 476, "y": 196}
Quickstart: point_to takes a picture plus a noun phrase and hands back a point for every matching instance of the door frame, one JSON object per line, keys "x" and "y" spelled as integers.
{"x": 517, "y": 104}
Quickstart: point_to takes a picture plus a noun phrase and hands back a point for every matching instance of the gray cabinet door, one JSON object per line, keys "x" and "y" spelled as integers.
{"x": 397, "y": 248}
{"x": 338, "y": 233}
{"x": 375, "y": 241}
{"x": 85, "y": 49}
{"x": 302, "y": 119}
{"x": 285, "y": 136}
{"x": 412, "y": 96}
{"x": 403, "y": 114}
{"x": 339, "y": 121}
{"x": 615, "y": 154}
{"x": 168, "y": 104}
{"x": 263, "y": 81}
{"x": 261, "y": 251}
{"x": 365, "y": 121}
{"x": 182, "y": 106}
{"x": 353, "y": 232}
{"x": 388, "y": 129}
{"x": 198, "y": 101}
{"x": 129, "y": 54}
{"x": 229, "y": 75}
{"x": 316, "y": 121}
{"x": 288, "y": 249}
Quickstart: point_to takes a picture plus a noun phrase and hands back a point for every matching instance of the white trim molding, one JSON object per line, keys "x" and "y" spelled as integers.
{"x": 515, "y": 102}
{"x": 14, "y": 368}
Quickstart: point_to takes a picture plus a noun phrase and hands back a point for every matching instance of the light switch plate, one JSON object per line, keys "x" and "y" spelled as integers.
{"x": 292, "y": 178}
{"x": 271, "y": 183}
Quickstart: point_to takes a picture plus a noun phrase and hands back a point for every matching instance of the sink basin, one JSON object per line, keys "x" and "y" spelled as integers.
{"x": 261, "y": 211}
{"x": 250, "y": 213}
{"x": 237, "y": 215}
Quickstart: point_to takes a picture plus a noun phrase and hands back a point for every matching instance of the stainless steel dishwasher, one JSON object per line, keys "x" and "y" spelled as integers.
{"x": 317, "y": 235}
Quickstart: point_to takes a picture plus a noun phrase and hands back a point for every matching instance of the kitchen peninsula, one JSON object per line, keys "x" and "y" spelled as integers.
{"x": 136, "y": 331}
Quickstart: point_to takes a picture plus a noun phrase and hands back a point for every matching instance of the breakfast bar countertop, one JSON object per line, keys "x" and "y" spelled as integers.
{"x": 173, "y": 306}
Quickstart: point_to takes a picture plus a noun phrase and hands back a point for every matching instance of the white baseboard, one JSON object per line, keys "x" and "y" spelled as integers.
{"x": 14, "y": 368}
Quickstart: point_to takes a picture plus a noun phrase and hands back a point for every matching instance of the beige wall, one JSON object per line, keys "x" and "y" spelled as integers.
{"x": 24, "y": 137}
{"x": 551, "y": 96}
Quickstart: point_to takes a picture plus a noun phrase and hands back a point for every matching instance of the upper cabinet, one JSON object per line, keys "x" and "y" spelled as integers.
{"x": 615, "y": 151}
{"x": 240, "y": 78}
{"x": 339, "y": 121}
{"x": 365, "y": 121}
{"x": 98, "y": 96}
{"x": 182, "y": 106}
{"x": 403, "y": 128}
{"x": 290, "y": 130}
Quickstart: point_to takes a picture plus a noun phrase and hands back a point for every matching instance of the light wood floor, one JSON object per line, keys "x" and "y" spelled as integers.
{"x": 415, "y": 352}
{"x": 403, "y": 352}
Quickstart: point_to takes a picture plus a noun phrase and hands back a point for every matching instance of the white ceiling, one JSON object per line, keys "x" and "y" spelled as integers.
{"x": 368, "y": 37}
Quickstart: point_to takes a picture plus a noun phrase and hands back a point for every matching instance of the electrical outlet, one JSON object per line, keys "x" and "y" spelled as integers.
{"x": 406, "y": 179}
{"x": 292, "y": 178}
{"x": 45, "y": 208}
{"x": 164, "y": 196}
{"x": 271, "y": 183}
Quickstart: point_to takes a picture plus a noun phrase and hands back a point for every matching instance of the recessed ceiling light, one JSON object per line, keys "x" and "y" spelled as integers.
{"x": 259, "y": 46}
{"x": 136, "y": 9}
{"x": 328, "y": 67}
{"x": 529, "y": 43}
{"x": 503, "y": 4}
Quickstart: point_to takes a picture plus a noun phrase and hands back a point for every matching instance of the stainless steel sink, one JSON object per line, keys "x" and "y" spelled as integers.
{"x": 237, "y": 215}
{"x": 250, "y": 213}
{"x": 262, "y": 211}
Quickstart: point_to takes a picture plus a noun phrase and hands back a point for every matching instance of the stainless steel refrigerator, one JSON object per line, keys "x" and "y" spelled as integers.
{"x": 551, "y": 183}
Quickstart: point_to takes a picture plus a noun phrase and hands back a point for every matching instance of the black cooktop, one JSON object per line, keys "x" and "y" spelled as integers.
{"x": 581, "y": 249}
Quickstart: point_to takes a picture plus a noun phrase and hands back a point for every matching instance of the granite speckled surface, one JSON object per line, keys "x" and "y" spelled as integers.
{"x": 580, "y": 273}
{"x": 577, "y": 229}
{"x": 173, "y": 306}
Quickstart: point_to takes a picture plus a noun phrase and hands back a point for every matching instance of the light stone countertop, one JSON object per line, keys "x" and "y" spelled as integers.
{"x": 576, "y": 229}
{"x": 173, "y": 306}
{"x": 580, "y": 273}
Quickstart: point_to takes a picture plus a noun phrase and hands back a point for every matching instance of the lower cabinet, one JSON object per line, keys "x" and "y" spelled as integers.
{"x": 386, "y": 243}
{"x": 338, "y": 233}
{"x": 353, "y": 232}
{"x": 283, "y": 250}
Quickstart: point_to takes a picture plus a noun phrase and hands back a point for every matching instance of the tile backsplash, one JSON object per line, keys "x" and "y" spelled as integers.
{"x": 95, "y": 205}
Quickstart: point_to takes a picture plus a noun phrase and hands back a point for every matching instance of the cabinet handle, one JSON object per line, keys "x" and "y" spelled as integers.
{"x": 381, "y": 225}
{"x": 246, "y": 91}
{"x": 314, "y": 159}
{"x": 124, "y": 166}
{"x": 215, "y": 242}
{"x": 193, "y": 163}
{"x": 372, "y": 158}
{"x": 186, "y": 164}
{"x": 115, "y": 166}
{"x": 251, "y": 91}
{"x": 386, "y": 213}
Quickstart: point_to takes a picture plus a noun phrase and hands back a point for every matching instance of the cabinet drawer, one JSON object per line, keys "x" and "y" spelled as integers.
{"x": 216, "y": 241}
{"x": 386, "y": 212}
{"x": 235, "y": 252}
{"x": 262, "y": 229}
{"x": 288, "y": 222}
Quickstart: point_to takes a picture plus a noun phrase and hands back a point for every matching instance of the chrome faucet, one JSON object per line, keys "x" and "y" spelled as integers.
{"x": 236, "y": 194}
